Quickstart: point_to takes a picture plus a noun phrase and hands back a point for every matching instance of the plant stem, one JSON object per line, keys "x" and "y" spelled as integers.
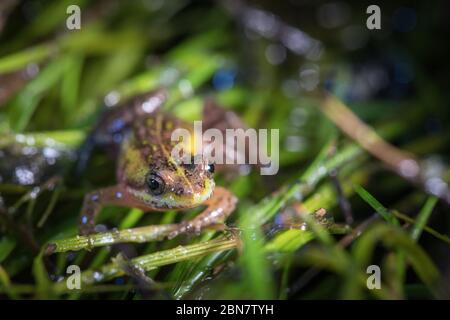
{"x": 158, "y": 259}
{"x": 136, "y": 235}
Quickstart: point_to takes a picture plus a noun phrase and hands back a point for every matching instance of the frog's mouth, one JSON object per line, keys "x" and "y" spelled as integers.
{"x": 194, "y": 199}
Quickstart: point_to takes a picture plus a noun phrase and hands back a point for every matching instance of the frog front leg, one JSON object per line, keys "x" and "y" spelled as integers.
{"x": 221, "y": 204}
{"x": 219, "y": 207}
{"x": 94, "y": 201}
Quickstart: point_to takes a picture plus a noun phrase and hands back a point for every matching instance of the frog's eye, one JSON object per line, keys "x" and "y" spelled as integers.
{"x": 210, "y": 167}
{"x": 156, "y": 184}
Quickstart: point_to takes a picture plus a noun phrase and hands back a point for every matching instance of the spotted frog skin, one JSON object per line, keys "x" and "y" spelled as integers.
{"x": 147, "y": 176}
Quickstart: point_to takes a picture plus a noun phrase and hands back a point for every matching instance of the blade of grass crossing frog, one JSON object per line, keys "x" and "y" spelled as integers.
{"x": 423, "y": 217}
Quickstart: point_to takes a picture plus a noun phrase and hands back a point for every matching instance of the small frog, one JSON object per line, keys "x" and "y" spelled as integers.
{"x": 147, "y": 176}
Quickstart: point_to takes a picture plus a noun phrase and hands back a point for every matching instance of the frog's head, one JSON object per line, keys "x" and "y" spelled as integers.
{"x": 164, "y": 183}
{"x": 152, "y": 172}
{"x": 180, "y": 185}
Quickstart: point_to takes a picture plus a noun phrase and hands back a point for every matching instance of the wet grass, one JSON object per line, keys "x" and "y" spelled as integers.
{"x": 66, "y": 77}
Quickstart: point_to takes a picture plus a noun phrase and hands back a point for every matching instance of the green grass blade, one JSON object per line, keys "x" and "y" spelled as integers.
{"x": 423, "y": 217}
{"x": 376, "y": 205}
{"x": 257, "y": 274}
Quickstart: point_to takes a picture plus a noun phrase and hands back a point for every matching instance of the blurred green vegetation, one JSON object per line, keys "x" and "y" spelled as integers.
{"x": 54, "y": 83}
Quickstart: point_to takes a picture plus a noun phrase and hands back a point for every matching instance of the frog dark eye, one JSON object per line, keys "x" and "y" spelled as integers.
{"x": 210, "y": 167}
{"x": 156, "y": 184}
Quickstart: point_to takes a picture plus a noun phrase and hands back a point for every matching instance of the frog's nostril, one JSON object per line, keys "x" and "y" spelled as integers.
{"x": 184, "y": 191}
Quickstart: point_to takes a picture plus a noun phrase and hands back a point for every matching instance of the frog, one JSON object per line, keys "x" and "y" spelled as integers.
{"x": 148, "y": 177}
